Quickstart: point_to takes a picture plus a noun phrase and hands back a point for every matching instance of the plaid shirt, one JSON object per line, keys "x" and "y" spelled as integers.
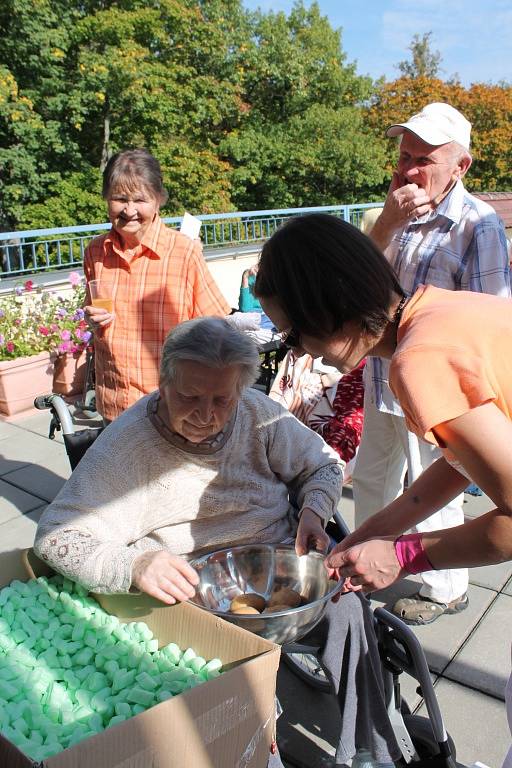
{"x": 460, "y": 246}
{"x": 167, "y": 283}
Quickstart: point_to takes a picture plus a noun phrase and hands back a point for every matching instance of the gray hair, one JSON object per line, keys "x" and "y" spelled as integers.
{"x": 131, "y": 170}
{"x": 211, "y": 341}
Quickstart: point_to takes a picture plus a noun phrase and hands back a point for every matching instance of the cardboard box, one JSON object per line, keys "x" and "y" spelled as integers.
{"x": 228, "y": 722}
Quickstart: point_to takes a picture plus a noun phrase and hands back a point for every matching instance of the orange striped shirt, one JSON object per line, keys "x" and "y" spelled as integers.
{"x": 165, "y": 284}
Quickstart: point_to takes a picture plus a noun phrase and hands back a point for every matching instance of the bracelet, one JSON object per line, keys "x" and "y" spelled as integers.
{"x": 411, "y": 555}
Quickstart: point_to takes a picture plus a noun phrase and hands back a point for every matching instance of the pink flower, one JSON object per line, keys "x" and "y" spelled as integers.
{"x": 64, "y": 347}
{"x": 54, "y": 327}
{"x": 10, "y": 346}
{"x": 65, "y": 335}
{"x": 43, "y": 330}
{"x": 75, "y": 278}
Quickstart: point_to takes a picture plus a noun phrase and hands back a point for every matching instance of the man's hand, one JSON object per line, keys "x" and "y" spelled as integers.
{"x": 404, "y": 202}
{"x": 371, "y": 565}
{"x": 167, "y": 577}
{"x": 97, "y": 317}
{"x": 310, "y": 533}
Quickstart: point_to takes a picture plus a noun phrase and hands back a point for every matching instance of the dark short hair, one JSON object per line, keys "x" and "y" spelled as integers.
{"x": 325, "y": 272}
{"x": 132, "y": 169}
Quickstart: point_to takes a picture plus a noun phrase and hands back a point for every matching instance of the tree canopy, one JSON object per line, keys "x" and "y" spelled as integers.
{"x": 243, "y": 110}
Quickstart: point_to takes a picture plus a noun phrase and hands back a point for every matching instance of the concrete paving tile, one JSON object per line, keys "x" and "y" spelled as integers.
{"x": 32, "y": 452}
{"x": 7, "y": 429}
{"x": 491, "y": 576}
{"x": 17, "y": 531}
{"x": 38, "y": 423}
{"x": 308, "y": 728}
{"x": 16, "y": 535}
{"x": 484, "y": 661}
{"x": 442, "y": 639}
{"x": 27, "y": 448}
{"x": 41, "y": 481}
{"x": 15, "y": 502}
{"x": 476, "y": 722}
{"x": 507, "y": 589}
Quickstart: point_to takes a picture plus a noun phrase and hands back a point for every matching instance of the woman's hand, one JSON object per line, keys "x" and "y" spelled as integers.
{"x": 97, "y": 317}
{"x": 248, "y": 273}
{"x": 310, "y": 533}
{"x": 369, "y": 566}
{"x": 167, "y": 577}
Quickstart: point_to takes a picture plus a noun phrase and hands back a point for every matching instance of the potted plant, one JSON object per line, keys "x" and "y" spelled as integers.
{"x": 39, "y": 330}
{"x": 68, "y": 339}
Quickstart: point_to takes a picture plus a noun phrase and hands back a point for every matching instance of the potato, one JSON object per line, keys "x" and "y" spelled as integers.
{"x": 250, "y": 599}
{"x": 285, "y": 596}
{"x": 247, "y": 609}
{"x": 276, "y": 608}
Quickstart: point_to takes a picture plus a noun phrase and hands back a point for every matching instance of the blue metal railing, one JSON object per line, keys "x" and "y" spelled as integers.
{"x": 40, "y": 250}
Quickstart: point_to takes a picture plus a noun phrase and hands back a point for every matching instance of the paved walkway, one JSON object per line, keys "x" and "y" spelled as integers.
{"x": 468, "y": 654}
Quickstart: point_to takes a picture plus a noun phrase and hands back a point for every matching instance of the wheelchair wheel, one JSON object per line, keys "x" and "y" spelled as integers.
{"x": 89, "y": 404}
{"x": 308, "y": 668}
{"x": 420, "y": 731}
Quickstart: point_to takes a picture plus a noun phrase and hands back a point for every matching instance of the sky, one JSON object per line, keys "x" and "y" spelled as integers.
{"x": 474, "y": 37}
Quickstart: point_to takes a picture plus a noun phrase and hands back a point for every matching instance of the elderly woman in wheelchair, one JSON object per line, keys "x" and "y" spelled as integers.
{"x": 203, "y": 463}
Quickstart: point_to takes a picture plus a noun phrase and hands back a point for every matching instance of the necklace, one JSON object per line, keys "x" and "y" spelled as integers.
{"x": 399, "y": 310}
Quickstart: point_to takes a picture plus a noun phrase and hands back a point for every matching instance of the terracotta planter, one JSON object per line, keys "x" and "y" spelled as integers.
{"x": 69, "y": 374}
{"x": 22, "y": 379}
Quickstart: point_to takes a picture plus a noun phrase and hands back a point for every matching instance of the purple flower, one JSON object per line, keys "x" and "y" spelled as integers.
{"x": 18, "y": 290}
{"x": 61, "y": 312}
{"x": 79, "y": 314}
{"x": 86, "y": 336}
{"x": 2, "y": 313}
{"x": 65, "y": 335}
{"x": 2, "y": 339}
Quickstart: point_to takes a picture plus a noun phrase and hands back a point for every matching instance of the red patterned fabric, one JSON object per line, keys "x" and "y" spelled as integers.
{"x": 343, "y": 430}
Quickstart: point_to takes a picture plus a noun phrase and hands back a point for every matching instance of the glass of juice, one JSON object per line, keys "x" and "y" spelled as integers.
{"x": 101, "y": 294}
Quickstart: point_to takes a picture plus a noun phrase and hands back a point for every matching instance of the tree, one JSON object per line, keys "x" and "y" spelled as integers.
{"x": 487, "y": 107}
{"x": 301, "y": 140}
{"x": 425, "y": 62}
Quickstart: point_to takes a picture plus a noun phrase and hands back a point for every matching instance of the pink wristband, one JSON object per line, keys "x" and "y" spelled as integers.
{"x": 410, "y": 553}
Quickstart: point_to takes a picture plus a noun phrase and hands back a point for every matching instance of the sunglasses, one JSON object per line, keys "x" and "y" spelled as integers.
{"x": 290, "y": 339}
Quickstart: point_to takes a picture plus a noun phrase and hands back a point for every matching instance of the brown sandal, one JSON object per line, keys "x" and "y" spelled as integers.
{"x": 418, "y": 609}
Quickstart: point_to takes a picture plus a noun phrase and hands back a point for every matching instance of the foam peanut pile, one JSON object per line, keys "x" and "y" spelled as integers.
{"x": 68, "y": 669}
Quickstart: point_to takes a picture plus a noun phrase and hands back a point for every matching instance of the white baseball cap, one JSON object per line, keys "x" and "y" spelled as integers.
{"x": 436, "y": 124}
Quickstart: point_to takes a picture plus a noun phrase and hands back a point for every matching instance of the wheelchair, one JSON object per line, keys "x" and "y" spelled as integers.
{"x": 424, "y": 741}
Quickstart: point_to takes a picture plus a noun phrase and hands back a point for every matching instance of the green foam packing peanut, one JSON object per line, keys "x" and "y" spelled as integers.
{"x": 68, "y": 669}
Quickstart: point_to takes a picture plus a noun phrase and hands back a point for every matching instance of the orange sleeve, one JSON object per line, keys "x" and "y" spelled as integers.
{"x": 435, "y": 385}
{"x": 207, "y": 298}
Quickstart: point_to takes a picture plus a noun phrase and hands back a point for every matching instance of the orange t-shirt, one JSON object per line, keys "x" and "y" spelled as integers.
{"x": 454, "y": 353}
{"x": 167, "y": 283}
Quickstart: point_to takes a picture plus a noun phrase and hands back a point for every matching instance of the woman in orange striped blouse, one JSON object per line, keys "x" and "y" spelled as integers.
{"x": 156, "y": 276}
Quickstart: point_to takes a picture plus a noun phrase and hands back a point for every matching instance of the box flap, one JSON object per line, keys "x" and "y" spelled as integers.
{"x": 11, "y": 757}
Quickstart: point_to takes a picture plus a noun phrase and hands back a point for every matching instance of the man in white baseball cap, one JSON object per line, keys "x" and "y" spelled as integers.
{"x": 433, "y": 232}
{"x": 436, "y": 124}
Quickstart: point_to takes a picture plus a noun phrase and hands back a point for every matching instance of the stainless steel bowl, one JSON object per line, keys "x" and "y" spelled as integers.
{"x": 263, "y": 568}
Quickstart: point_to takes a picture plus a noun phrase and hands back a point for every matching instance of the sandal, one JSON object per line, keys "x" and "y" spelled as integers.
{"x": 418, "y": 609}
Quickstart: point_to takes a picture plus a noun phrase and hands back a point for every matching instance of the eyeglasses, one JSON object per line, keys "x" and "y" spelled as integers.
{"x": 291, "y": 338}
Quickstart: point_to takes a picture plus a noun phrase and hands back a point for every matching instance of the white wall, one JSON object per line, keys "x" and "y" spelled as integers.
{"x": 227, "y": 273}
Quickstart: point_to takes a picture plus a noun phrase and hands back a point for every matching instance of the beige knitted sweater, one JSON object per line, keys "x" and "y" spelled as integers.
{"x": 140, "y": 487}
